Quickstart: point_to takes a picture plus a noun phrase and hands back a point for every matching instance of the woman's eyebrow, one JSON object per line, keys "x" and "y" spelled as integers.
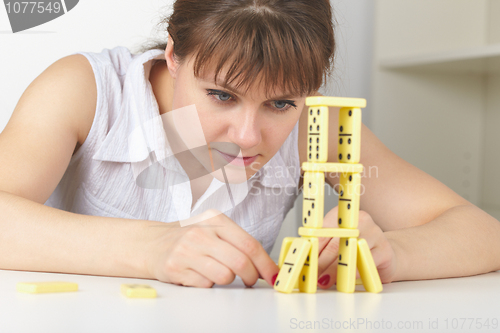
{"x": 235, "y": 91}
{"x": 223, "y": 85}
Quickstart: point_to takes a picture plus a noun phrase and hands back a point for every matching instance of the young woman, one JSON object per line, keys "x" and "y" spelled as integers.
{"x": 247, "y": 67}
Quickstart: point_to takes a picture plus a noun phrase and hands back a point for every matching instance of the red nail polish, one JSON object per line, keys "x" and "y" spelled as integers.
{"x": 324, "y": 280}
{"x": 274, "y": 278}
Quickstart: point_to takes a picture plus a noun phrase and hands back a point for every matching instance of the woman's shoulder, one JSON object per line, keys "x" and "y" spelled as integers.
{"x": 105, "y": 73}
{"x": 51, "y": 117}
{"x": 78, "y": 76}
{"x": 109, "y": 64}
{"x": 118, "y": 57}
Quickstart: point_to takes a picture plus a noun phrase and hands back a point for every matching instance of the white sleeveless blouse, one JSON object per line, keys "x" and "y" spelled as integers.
{"x": 100, "y": 180}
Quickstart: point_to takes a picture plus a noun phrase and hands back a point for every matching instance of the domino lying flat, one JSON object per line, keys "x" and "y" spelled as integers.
{"x": 128, "y": 290}
{"x": 46, "y": 287}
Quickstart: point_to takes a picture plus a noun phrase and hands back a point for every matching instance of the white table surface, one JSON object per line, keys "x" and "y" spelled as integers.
{"x": 423, "y": 306}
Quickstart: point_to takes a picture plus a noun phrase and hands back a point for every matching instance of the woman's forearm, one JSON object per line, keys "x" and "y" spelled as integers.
{"x": 462, "y": 241}
{"x": 35, "y": 237}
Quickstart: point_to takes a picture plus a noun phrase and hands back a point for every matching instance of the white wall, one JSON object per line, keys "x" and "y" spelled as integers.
{"x": 353, "y": 60}
{"x": 441, "y": 114}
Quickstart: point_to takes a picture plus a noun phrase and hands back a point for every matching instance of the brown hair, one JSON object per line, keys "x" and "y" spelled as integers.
{"x": 287, "y": 43}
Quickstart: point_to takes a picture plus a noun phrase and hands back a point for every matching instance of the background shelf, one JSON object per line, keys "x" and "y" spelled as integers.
{"x": 479, "y": 59}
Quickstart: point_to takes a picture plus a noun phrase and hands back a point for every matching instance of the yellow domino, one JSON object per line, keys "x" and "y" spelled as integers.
{"x": 314, "y": 199}
{"x": 346, "y": 270}
{"x": 350, "y": 190}
{"x": 367, "y": 269}
{"x": 317, "y": 134}
{"x": 328, "y": 232}
{"x": 333, "y": 167}
{"x": 138, "y": 291}
{"x": 308, "y": 278}
{"x": 336, "y": 101}
{"x": 285, "y": 245}
{"x": 46, "y": 287}
{"x": 349, "y": 147}
{"x": 292, "y": 266}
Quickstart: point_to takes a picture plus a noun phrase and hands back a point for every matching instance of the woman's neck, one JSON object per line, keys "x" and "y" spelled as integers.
{"x": 163, "y": 86}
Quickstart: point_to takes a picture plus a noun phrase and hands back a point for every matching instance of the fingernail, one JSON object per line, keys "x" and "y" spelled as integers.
{"x": 324, "y": 280}
{"x": 274, "y": 278}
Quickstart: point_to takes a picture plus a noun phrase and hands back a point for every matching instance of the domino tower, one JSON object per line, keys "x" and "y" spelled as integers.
{"x": 298, "y": 261}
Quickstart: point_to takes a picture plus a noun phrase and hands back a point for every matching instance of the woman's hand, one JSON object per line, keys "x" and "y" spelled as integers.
{"x": 212, "y": 251}
{"x": 381, "y": 249}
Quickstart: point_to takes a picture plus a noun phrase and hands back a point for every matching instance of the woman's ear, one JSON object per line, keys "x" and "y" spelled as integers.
{"x": 172, "y": 65}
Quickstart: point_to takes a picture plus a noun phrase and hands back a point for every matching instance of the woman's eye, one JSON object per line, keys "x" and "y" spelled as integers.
{"x": 219, "y": 96}
{"x": 280, "y": 104}
{"x": 224, "y": 97}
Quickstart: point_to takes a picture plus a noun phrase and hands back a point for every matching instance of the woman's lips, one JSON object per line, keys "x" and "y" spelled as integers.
{"x": 237, "y": 161}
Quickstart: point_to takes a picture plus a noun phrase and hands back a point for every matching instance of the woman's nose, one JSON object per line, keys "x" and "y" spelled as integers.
{"x": 245, "y": 131}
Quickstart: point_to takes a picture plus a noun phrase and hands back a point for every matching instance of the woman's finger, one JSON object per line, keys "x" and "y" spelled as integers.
{"x": 235, "y": 260}
{"x": 384, "y": 257}
{"x": 212, "y": 269}
{"x": 328, "y": 255}
{"x": 191, "y": 278}
{"x": 244, "y": 242}
{"x": 331, "y": 218}
{"x": 329, "y": 221}
{"x": 329, "y": 277}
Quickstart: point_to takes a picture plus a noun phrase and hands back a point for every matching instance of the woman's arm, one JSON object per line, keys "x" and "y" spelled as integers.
{"x": 34, "y": 237}
{"x": 462, "y": 241}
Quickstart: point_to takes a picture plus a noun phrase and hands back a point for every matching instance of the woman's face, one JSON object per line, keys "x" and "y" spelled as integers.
{"x": 243, "y": 130}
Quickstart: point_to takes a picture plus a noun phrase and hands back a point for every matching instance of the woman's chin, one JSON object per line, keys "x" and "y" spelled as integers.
{"x": 233, "y": 175}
